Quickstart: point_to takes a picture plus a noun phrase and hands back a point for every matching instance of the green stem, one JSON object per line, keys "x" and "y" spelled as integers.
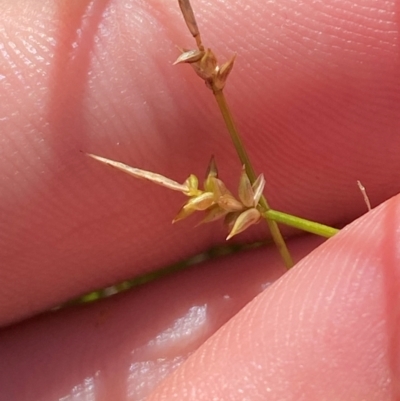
{"x": 245, "y": 160}
{"x": 300, "y": 223}
{"x": 237, "y": 140}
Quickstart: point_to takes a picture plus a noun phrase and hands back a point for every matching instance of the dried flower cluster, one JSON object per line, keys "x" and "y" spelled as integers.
{"x": 215, "y": 199}
{"x": 203, "y": 61}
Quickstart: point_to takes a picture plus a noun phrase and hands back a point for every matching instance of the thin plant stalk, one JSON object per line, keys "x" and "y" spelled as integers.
{"x": 245, "y": 160}
{"x": 205, "y": 64}
{"x": 300, "y": 223}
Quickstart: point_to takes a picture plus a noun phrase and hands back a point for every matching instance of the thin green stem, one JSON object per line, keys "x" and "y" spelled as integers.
{"x": 245, "y": 160}
{"x": 300, "y": 223}
{"x": 237, "y": 140}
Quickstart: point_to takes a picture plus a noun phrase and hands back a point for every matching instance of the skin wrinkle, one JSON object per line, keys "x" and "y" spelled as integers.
{"x": 338, "y": 310}
{"x": 351, "y": 278}
{"x": 295, "y": 290}
{"x": 320, "y": 299}
{"x": 292, "y": 334}
{"x": 276, "y": 321}
{"x": 391, "y": 278}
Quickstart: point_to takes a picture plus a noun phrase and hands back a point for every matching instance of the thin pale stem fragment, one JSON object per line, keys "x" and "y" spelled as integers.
{"x": 364, "y": 194}
{"x": 142, "y": 174}
{"x": 190, "y": 19}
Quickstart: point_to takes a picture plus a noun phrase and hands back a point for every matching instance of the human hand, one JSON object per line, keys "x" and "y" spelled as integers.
{"x": 314, "y": 91}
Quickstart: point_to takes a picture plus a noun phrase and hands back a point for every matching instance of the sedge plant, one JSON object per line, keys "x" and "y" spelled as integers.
{"x": 213, "y": 197}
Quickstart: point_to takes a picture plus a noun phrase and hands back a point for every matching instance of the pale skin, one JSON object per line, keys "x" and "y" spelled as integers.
{"x": 315, "y": 92}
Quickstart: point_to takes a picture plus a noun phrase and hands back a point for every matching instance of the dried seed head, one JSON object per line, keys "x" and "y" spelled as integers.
{"x": 207, "y": 67}
{"x": 203, "y": 61}
{"x": 215, "y": 199}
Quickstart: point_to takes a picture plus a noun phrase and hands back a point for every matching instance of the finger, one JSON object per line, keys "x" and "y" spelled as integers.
{"x": 98, "y": 77}
{"x": 122, "y": 347}
{"x": 329, "y": 329}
